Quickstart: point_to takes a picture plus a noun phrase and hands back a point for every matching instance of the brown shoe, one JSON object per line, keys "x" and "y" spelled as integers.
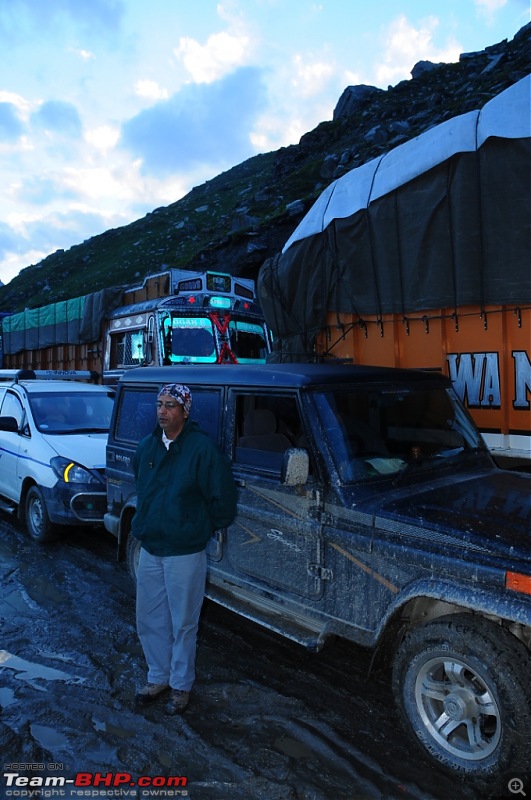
{"x": 177, "y": 702}
{"x": 150, "y": 692}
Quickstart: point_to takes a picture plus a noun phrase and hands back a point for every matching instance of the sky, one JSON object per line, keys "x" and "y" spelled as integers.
{"x": 112, "y": 108}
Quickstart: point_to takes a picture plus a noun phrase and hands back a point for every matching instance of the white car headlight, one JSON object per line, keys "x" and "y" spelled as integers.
{"x": 70, "y": 472}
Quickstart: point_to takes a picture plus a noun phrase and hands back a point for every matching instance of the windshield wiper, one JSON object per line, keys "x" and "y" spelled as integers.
{"x": 87, "y": 430}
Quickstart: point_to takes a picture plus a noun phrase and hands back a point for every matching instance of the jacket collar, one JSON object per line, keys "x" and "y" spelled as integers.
{"x": 189, "y": 424}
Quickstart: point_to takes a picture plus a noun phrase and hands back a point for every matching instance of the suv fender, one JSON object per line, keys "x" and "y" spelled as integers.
{"x": 426, "y": 601}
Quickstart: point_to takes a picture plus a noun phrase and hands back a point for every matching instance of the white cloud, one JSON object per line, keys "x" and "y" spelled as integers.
{"x": 405, "y": 45}
{"x": 351, "y": 78}
{"x": 310, "y": 78}
{"x": 151, "y": 90}
{"x": 12, "y": 263}
{"x": 103, "y": 138}
{"x": 490, "y": 6}
{"x": 222, "y": 53}
{"x": 84, "y": 55}
{"x": 96, "y": 183}
{"x": 272, "y": 131}
{"x": 17, "y": 100}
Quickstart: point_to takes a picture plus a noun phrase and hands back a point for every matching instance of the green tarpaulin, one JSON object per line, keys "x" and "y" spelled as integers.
{"x": 76, "y": 321}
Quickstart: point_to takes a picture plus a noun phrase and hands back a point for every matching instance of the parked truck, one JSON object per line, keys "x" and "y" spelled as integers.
{"x": 173, "y": 317}
{"x": 422, "y": 258}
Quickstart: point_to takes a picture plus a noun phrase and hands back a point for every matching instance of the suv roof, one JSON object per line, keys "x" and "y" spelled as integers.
{"x": 279, "y": 375}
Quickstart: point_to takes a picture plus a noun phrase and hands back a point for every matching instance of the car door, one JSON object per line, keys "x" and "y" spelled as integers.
{"x": 277, "y": 537}
{"x": 12, "y": 444}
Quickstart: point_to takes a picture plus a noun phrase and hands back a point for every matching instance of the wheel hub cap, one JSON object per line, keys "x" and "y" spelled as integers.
{"x": 459, "y": 705}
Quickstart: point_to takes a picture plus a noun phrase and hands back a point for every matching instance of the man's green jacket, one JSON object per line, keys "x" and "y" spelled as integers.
{"x": 184, "y": 493}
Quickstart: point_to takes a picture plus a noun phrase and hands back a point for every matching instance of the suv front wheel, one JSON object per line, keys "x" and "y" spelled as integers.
{"x": 132, "y": 554}
{"x": 38, "y": 522}
{"x": 461, "y": 684}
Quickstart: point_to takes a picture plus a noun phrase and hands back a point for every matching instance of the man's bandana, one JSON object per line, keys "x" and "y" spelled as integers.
{"x": 181, "y": 393}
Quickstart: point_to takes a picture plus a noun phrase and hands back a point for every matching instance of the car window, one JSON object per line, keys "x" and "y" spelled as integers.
{"x": 206, "y": 410}
{"x": 12, "y": 407}
{"x": 136, "y": 415}
{"x": 72, "y": 412}
{"x": 266, "y": 426}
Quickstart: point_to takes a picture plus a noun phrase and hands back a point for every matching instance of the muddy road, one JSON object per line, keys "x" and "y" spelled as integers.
{"x": 267, "y": 720}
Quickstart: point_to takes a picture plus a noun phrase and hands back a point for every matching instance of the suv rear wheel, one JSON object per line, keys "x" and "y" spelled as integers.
{"x": 37, "y": 520}
{"x": 461, "y": 684}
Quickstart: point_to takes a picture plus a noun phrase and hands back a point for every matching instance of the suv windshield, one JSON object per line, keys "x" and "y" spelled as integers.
{"x": 381, "y": 432}
{"x": 72, "y": 412}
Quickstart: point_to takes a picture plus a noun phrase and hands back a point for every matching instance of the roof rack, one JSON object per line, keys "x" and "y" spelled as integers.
{"x": 17, "y": 374}
{"x": 49, "y": 374}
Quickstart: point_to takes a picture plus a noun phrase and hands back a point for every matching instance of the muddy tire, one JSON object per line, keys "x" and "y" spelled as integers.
{"x": 132, "y": 554}
{"x": 38, "y": 522}
{"x": 462, "y": 687}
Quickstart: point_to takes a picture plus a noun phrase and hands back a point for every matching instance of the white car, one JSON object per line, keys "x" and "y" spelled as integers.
{"x": 53, "y": 436}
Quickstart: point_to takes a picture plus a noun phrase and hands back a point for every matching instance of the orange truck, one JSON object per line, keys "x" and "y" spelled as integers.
{"x": 422, "y": 258}
{"x": 173, "y": 317}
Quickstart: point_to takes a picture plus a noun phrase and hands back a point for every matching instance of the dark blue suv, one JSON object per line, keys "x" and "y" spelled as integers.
{"x": 369, "y": 508}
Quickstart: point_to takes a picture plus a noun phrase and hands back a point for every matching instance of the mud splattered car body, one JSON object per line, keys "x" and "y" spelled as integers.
{"x": 369, "y": 508}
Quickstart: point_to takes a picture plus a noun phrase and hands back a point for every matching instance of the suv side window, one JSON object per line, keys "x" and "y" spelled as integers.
{"x": 12, "y": 407}
{"x": 136, "y": 415}
{"x": 137, "y": 412}
{"x": 266, "y": 426}
{"x": 206, "y": 410}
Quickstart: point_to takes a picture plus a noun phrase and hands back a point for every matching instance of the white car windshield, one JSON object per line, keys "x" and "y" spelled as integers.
{"x": 72, "y": 412}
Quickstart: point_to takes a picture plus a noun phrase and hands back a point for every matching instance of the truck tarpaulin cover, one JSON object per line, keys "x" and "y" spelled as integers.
{"x": 441, "y": 221}
{"x": 76, "y": 321}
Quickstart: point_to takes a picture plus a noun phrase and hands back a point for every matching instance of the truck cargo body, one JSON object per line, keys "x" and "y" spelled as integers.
{"x": 422, "y": 258}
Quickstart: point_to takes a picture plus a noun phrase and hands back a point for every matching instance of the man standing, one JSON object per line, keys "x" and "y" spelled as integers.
{"x": 185, "y": 492}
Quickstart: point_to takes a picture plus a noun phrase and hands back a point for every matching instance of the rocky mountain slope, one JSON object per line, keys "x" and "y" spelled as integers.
{"x": 235, "y": 221}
